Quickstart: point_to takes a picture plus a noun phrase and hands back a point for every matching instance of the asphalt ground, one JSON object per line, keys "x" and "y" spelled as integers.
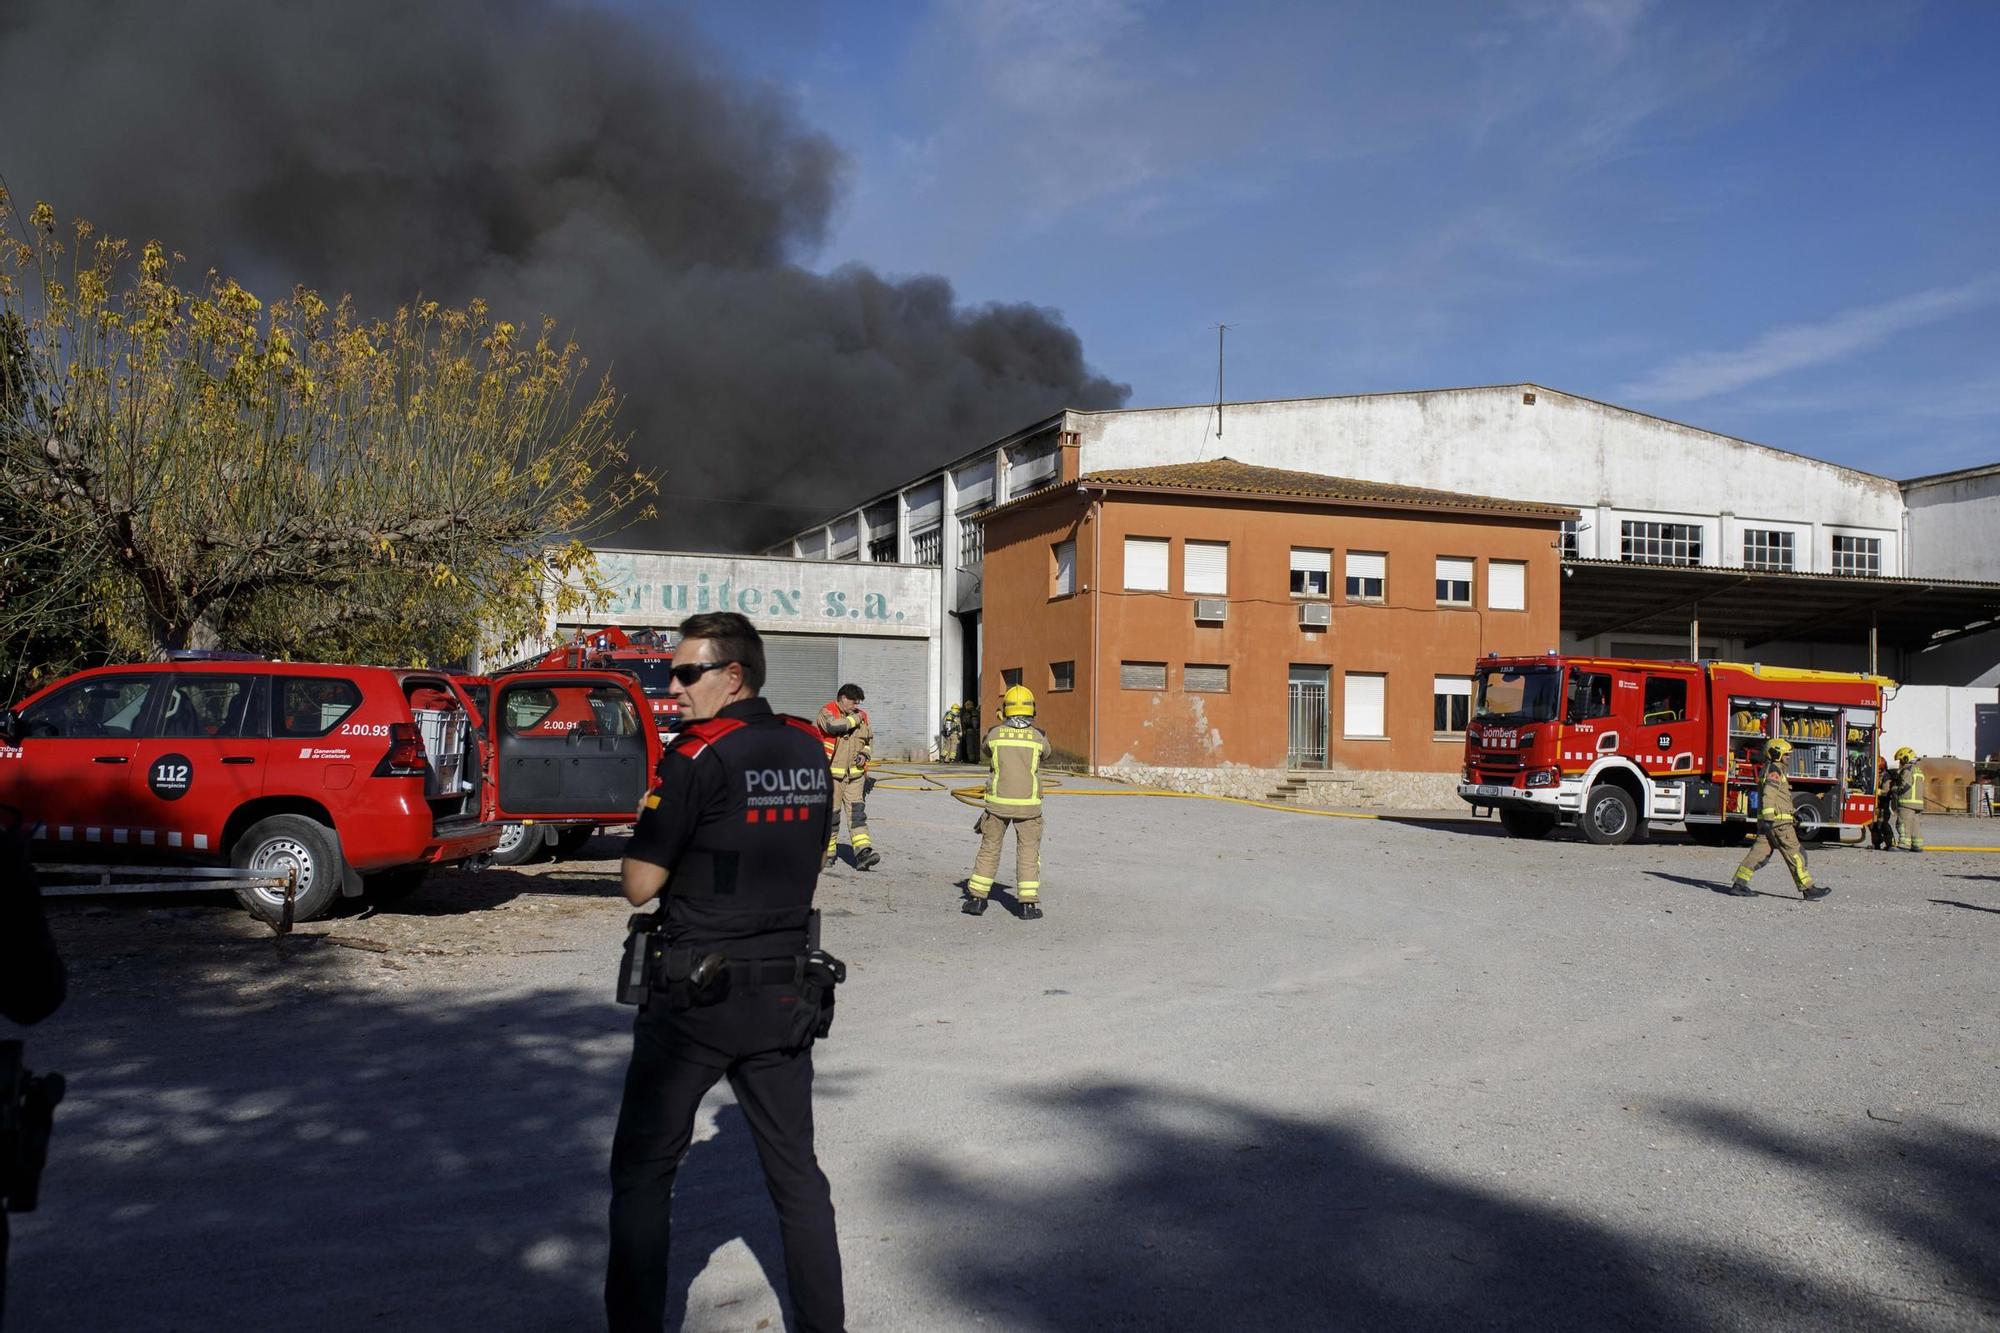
{"x": 1253, "y": 1070}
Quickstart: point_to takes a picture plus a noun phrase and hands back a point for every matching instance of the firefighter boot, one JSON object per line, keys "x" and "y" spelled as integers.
{"x": 1740, "y": 888}
{"x": 1814, "y": 893}
{"x": 973, "y": 904}
{"x": 867, "y": 858}
{"x": 1031, "y": 910}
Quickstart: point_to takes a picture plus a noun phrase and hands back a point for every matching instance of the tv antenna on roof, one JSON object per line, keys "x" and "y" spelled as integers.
{"x": 1221, "y": 332}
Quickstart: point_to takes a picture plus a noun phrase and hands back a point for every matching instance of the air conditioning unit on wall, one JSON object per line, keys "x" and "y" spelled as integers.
{"x": 1211, "y": 608}
{"x": 1315, "y": 615}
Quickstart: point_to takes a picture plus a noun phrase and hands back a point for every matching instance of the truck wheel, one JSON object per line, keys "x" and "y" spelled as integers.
{"x": 290, "y": 842}
{"x": 1609, "y": 819}
{"x": 393, "y": 886}
{"x": 571, "y": 841}
{"x": 1529, "y": 824}
{"x": 519, "y": 844}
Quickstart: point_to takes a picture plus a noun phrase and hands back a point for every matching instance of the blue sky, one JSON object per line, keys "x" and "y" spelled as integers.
{"x": 1777, "y": 220}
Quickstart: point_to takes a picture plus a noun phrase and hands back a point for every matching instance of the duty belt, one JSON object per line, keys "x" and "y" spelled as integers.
{"x": 764, "y": 971}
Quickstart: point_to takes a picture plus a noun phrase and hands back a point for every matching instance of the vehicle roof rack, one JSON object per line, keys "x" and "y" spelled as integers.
{"x": 212, "y": 655}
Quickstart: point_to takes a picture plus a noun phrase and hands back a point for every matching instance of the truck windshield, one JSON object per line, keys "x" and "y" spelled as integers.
{"x": 1518, "y": 694}
{"x": 653, "y": 673}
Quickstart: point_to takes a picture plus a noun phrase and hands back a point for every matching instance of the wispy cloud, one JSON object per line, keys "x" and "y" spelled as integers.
{"x": 1701, "y": 375}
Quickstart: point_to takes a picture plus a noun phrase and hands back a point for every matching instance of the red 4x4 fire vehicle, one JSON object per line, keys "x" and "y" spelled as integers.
{"x": 350, "y": 777}
{"x": 1615, "y": 744}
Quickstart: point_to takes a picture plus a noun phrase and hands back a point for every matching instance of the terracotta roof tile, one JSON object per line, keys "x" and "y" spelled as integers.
{"x": 1226, "y": 474}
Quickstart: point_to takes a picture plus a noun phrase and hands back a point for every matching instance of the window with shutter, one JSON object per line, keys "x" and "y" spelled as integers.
{"x": 1146, "y": 564}
{"x": 1367, "y": 575}
{"x": 1451, "y": 704}
{"x": 1065, "y": 574}
{"x": 1454, "y": 581}
{"x": 1312, "y": 572}
{"x": 1062, "y": 676}
{"x": 1506, "y": 585}
{"x": 1205, "y": 567}
{"x": 1364, "y": 697}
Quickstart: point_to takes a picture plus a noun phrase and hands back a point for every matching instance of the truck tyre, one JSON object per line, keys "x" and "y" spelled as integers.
{"x": 296, "y": 843}
{"x": 1609, "y": 817}
{"x": 1529, "y": 824}
{"x": 393, "y": 886}
{"x": 572, "y": 841}
{"x": 519, "y": 844}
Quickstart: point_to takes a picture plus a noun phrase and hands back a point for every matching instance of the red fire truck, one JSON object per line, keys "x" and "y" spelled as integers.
{"x": 644, "y": 654}
{"x": 1614, "y": 745}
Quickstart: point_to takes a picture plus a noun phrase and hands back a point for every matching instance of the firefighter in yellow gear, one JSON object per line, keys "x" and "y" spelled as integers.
{"x": 1016, "y": 749}
{"x": 1777, "y": 829}
{"x": 849, "y": 740}
{"x": 1907, "y": 786}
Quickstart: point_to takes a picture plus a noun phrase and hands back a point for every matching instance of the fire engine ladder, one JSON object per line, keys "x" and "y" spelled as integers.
{"x": 167, "y": 879}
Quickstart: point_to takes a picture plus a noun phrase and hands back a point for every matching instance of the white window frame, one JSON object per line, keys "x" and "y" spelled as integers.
{"x": 1205, "y": 568}
{"x": 1355, "y": 567}
{"x": 1790, "y": 545}
{"x": 1310, "y": 560}
{"x": 1456, "y": 687}
{"x": 1657, "y": 546}
{"x": 1834, "y": 565}
{"x": 1154, "y": 563}
{"x": 1064, "y": 581}
{"x": 1356, "y": 687}
{"x": 1495, "y": 585}
{"x": 1453, "y": 570}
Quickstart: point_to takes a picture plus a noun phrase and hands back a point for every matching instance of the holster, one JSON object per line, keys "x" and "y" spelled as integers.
{"x": 640, "y": 964}
{"x": 819, "y": 973}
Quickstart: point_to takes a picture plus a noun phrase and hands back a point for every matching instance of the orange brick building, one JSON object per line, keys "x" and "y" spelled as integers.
{"x": 1229, "y": 628}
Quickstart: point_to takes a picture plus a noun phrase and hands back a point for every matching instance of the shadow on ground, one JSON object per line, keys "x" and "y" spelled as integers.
{"x": 1199, "y": 1212}
{"x": 299, "y": 1148}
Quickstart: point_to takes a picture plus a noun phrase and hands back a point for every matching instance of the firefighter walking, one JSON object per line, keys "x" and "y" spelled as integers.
{"x": 1016, "y": 748}
{"x": 1777, "y": 829}
{"x": 849, "y": 740}
{"x": 1907, "y": 787}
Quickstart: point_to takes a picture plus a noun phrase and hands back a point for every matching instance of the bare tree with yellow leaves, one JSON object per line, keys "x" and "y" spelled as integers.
{"x": 180, "y": 467}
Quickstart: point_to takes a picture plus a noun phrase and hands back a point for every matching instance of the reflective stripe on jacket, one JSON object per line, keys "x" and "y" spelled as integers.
{"x": 1014, "y": 781}
{"x": 1910, "y": 791}
{"x": 847, "y": 739}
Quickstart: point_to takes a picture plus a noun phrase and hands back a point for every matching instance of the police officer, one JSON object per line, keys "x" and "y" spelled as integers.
{"x": 1909, "y": 793}
{"x": 1777, "y": 829}
{"x": 731, "y": 835}
{"x": 849, "y": 743}
{"x": 1017, "y": 748}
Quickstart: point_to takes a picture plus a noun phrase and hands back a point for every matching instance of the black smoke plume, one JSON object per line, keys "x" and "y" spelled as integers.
{"x": 551, "y": 157}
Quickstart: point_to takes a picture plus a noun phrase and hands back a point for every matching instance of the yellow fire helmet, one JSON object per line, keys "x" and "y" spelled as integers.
{"x": 1777, "y": 747}
{"x": 1905, "y": 755}
{"x": 1019, "y": 701}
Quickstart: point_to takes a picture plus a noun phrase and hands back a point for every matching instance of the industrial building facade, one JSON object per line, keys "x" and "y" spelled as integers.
{"x": 1233, "y": 628}
{"x": 823, "y": 623}
{"x": 1684, "y": 541}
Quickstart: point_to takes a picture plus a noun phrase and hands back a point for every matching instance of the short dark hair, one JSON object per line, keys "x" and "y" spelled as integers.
{"x": 735, "y": 639}
{"x": 850, "y": 692}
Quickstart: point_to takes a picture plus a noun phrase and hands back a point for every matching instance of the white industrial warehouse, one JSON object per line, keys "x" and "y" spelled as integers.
{"x": 1688, "y": 541}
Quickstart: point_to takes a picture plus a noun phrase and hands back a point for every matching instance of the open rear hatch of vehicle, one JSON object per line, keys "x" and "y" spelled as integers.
{"x": 571, "y": 745}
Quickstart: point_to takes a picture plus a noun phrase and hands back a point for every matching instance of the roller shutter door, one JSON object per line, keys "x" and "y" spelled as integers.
{"x": 801, "y": 672}
{"x": 895, "y": 673}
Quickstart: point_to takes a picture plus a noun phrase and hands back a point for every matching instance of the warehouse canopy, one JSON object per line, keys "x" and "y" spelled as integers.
{"x": 1759, "y": 606}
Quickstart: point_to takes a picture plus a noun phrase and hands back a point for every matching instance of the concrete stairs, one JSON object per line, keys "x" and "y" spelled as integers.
{"x": 1320, "y": 788}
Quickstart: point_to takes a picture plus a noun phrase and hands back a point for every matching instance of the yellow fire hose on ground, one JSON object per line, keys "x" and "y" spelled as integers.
{"x": 975, "y": 796}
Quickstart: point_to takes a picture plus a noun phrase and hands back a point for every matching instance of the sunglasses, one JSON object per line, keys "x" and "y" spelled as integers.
{"x": 687, "y": 673}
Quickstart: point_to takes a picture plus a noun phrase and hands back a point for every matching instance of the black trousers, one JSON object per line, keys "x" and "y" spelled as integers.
{"x": 676, "y": 1059}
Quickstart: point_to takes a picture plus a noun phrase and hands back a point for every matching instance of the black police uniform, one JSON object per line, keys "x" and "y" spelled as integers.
{"x": 739, "y": 818}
